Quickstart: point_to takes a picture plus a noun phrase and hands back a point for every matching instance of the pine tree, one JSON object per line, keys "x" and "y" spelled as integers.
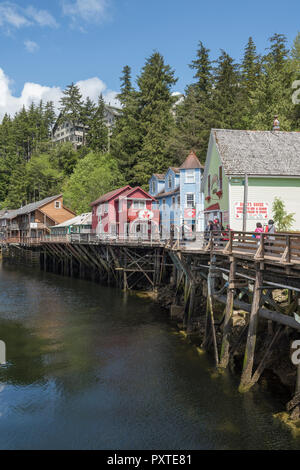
{"x": 194, "y": 115}
{"x": 87, "y": 115}
{"x": 250, "y": 74}
{"x": 155, "y": 118}
{"x": 226, "y": 92}
{"x": 126, "y": 86}
{"x": 273, "y": 93}
{"x": 49, "y": 116}
{"x": 202, "y": 66}
{"x": 71, "y": 105}
{"x": 97, "y": 137}
{"x": 126, "y": 134}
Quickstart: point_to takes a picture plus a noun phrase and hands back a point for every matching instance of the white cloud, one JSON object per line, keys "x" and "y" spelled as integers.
{"x": 41, "y": 17}
{"x": 90, "y": 11}
{"x": 33, "y": 92}
{"x": 14, "y": 16}
{"x": 31, "y": 46}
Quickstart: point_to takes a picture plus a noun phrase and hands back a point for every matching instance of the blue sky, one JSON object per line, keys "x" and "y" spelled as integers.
{"x": 46, "y": 45}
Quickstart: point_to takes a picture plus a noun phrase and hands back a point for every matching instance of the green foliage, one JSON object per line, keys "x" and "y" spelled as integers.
{"x": 93, "y": 176}
{"x": 152, "y": 131}
{"x": 140, "y": 142}
{"x": 97, "y": 137}
{"x": 283, "y": 220}
{"x": 71, "y": 105}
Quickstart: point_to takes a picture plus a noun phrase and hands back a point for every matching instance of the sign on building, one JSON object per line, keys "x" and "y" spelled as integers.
{"x": 255, "y": 210}
{"x": 189, "y": 214}
{"x": 146, "y": 214}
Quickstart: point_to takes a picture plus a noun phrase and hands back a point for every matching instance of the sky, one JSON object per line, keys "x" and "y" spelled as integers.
{"x": 47, "y": 44}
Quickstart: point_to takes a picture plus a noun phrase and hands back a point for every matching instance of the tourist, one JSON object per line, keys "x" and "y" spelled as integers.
{"x": 259, "y": 229}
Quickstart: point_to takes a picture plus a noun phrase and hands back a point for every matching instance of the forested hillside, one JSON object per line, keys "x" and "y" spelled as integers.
{"x": 153, "y": 132}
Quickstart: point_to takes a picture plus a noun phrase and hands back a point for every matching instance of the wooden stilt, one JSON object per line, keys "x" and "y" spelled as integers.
{"x": 224, "y": 359}
{"x": 212, "y": 320}
{"x": 191, "y": 308}
{"x": 251, "y": 338}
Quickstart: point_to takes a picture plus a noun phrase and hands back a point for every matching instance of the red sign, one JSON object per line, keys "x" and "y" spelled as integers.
{"x": 255, "y": 210}
{"x": 189, "y": 214}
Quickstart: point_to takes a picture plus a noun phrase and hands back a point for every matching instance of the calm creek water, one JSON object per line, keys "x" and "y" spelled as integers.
{"x": 90, "y": 367}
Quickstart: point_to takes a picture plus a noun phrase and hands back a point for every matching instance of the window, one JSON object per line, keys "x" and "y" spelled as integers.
{"x": 57, "y": 204}
{"x": 139, "y": 204}
{"x": 208, "y": 186}
{"x": 178, "y": 201}
{"x": 106, "y": 207}
{"x": 220, "y": 179}
{"x": 173, "y": 201}
{"x": 153, "y": 186}
{"x": 170, "y": 182}
{"x": 190, "y": 200}
{"x": 163, "y": 204}
{"x": 120, "y": 205}
{"x": 190, "y": 176}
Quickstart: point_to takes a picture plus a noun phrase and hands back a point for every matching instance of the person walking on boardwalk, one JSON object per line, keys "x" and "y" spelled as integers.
{"x": 270, "y": 228}
{"x": 259, "y": 229}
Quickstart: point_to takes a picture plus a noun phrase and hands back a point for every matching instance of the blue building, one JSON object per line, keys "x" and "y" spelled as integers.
{"x": 181, "y": 203}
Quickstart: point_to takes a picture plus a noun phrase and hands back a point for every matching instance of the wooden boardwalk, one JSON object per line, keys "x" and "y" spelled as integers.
{"x": 281, "y": 249}
{"x": 235, "y": 269}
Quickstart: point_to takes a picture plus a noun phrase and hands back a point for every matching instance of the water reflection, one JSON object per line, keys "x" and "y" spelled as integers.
{"x": 89, "y": 367}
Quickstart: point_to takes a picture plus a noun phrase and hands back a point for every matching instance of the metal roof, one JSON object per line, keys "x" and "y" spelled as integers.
{"x": 106, "y": 197}
{"x": 29, "y": 207}
{"x": 261, "y": 153}
{"x": 82, "y": 219}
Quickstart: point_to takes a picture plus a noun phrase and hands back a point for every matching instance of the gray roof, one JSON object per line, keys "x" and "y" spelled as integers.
{"x": 266, "y": 153}
{"x": 168, "y": 193}
{"x": 29, "y": 207}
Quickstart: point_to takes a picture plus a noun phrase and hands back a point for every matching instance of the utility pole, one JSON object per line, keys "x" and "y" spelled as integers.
{"x": 245, "y": 207}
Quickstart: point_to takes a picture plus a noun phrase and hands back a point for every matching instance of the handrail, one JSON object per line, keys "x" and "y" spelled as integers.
{"x": 283, "y": 247}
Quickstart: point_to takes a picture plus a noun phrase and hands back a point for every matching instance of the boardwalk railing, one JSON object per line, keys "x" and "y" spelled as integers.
{"x": 280, "y": 247}
{"x": 283, "y": 247}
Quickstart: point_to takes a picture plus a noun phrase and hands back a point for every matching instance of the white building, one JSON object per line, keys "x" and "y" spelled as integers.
{"x": 68, "y": 132}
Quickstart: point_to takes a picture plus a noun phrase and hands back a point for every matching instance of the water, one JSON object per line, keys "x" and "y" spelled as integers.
{"x": 91, "y": 368}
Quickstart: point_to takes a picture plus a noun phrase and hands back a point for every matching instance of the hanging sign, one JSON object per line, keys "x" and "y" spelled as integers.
{"x": 255, "y": 210}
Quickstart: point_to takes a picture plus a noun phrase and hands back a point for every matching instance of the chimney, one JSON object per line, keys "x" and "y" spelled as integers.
{"x": 276, "y": 123}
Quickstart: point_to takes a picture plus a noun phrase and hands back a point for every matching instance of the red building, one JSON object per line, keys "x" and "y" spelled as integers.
{"x": 125, "y": 212}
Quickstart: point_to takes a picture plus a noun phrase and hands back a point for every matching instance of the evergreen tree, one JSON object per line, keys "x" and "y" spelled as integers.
{"x": 71, "y": 105}
{"x": 126, "y": 136}
{"x": 97, "y": 138}
{"x": 203, "y": 70}
{"x": 87, "y": 115}
{"x": 155, "y": 115}
{"x": 126, "y": 86}
{"x": 226, "y": 92}
{"x": 273, "y": 94}
{"x": 50, "y": 117}
{"x": 194, "y": 115}
{"x": 250, "y": 74}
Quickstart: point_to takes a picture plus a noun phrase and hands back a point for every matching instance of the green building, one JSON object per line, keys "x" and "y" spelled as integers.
{"x": 271, "y": 162}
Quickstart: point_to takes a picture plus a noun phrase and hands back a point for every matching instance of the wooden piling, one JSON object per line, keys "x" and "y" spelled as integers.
{"x": 224, "y": 358}
{"x": 251, "y": 338}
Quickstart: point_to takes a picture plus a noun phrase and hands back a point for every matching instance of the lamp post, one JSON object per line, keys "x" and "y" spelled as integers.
{"x": 245, "y": 206}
